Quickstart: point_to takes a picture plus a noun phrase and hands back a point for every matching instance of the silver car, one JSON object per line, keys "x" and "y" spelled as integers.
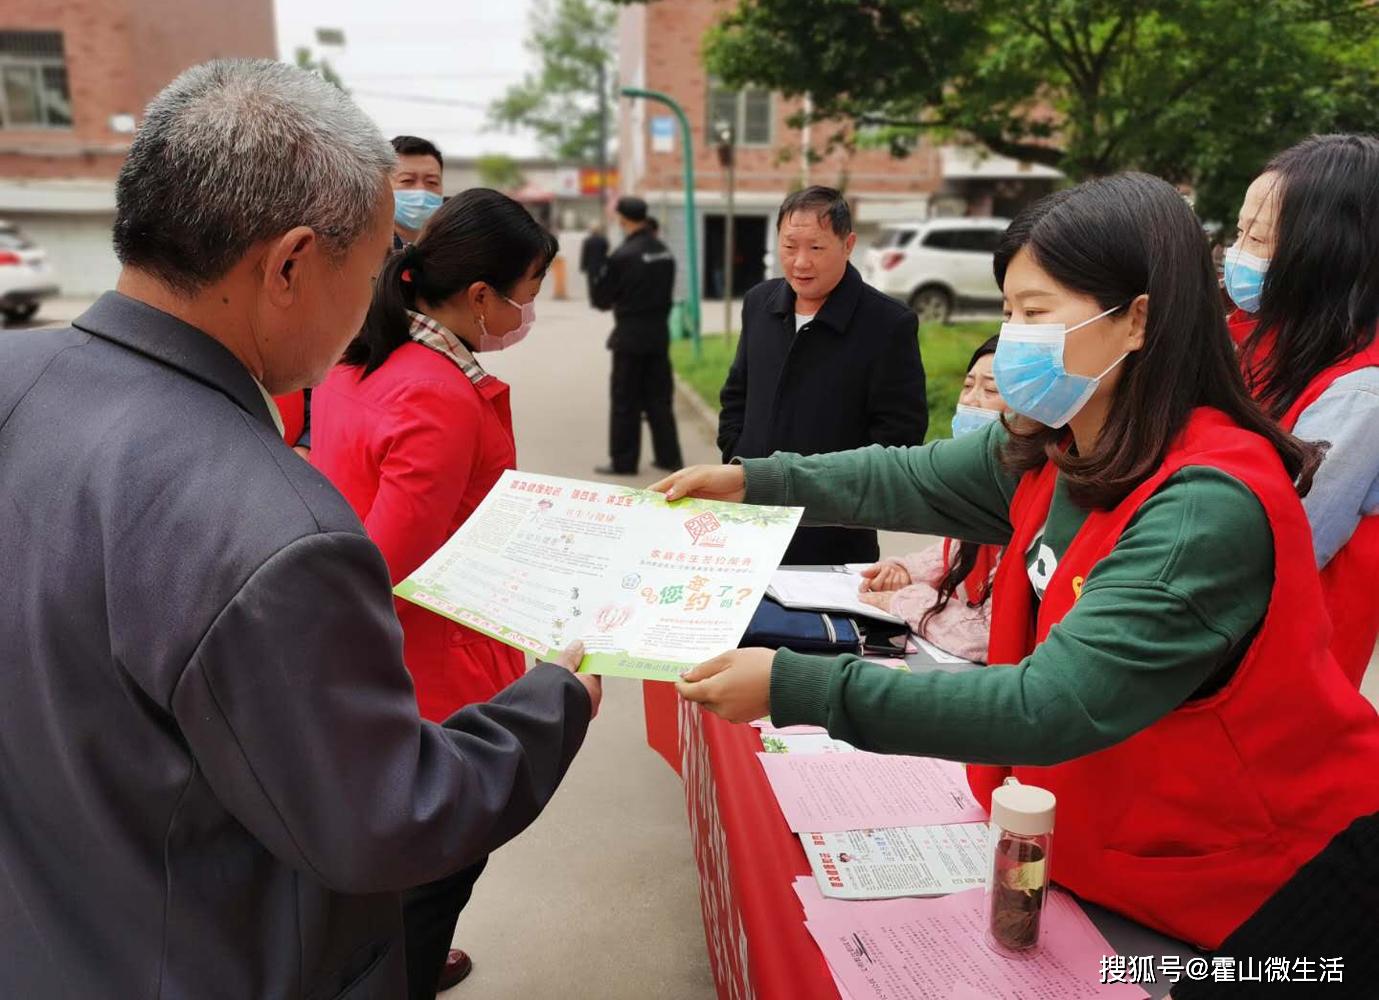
{"x": 26, "y": 277}
{"x": 940, "y": 268}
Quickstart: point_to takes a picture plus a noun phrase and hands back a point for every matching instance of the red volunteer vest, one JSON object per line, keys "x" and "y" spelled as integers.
{"x": 1190, "y": 824}
{"x": 1348, "y": 580}
{"x": 977, "y": 582}
{"x": 1240, "y": 325}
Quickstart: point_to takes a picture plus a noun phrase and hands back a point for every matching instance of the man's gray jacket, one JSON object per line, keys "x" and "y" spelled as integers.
{"x": 213, "y": 778}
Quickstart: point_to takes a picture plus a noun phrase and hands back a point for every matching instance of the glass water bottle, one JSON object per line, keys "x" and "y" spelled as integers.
{"x": 1018, "y": 879}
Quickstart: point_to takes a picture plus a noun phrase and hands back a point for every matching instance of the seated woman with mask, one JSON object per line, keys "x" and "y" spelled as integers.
{"x": 944, "y": 591}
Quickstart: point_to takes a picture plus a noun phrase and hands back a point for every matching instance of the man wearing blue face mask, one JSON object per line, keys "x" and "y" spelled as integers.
{"x": 416, "y": 186}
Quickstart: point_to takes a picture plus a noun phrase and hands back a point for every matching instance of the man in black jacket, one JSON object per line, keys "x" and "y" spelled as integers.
{"x": 826, "y": 363}
{"x": 637, "y": 284}
{"x": 214, "y": 782}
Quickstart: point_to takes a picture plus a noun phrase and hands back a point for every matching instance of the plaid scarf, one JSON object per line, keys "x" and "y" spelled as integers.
{"x": 429, "y": 333}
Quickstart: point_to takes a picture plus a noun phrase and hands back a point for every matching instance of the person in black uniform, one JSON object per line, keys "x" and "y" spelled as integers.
{"x": 636, "y": 284}
{"x": 593, "y": 254}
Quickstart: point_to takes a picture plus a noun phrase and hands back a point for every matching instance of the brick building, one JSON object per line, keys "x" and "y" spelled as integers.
{"x": 74, "y": 77}
{"x": 659, "y": 49}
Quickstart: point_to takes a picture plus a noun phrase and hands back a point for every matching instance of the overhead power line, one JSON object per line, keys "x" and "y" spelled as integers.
{"x": 450, "y": 102}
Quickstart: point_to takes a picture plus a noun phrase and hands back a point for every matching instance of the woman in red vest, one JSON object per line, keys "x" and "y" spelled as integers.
{"x": 1303, "y": 275}
{"x": 414, "y": 433}
{"x": 1159, "y": 640}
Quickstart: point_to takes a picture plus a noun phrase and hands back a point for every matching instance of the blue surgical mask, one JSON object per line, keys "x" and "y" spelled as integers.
{"x": 968, "y": 419}
{"x": 412, "y": 208}
{"x": 1030, "y": 375}
{"x": 1244, "y": 274}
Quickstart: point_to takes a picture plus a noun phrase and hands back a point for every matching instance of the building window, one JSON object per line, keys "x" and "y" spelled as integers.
{"x": 33, "y": 81}
{"x": 748, "y": 111}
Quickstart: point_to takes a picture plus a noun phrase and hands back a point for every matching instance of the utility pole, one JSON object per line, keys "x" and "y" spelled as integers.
{"x": 728, "y": 160}
{"x": 603, "y": 139}
{"x": 691, "y": 223}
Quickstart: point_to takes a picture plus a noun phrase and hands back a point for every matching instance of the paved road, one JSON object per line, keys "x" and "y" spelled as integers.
{"x": 599, "y": 899}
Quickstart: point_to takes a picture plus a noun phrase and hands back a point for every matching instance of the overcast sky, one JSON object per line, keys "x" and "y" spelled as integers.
{"x": 462, "y": 51}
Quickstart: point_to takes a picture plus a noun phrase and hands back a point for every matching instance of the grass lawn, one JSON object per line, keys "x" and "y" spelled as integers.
{"x": 946, "y": 350}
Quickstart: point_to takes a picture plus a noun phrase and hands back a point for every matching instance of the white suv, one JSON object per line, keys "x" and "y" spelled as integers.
{"x": 26, "y": 278}
{"x": 939, "y": 268}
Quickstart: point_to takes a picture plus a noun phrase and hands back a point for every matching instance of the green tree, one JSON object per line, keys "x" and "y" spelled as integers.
{"x": 565, "y": 102}
{"x": 1197, "y": 91}
{"x": 321, "y": 67}
{"x": 498, "y": 170}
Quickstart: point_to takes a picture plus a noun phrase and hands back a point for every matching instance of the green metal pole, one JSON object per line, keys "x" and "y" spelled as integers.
{"x": 691, "y": 223}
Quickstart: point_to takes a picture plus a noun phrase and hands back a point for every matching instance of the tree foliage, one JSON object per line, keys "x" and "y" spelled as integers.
{"x": 572, "y": 41}
{"x": 1200, "y": 92}
{"x": 498, "y": 170}
{"x": 321, "y": 67}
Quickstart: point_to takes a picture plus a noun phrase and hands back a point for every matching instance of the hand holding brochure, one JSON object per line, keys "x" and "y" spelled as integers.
{"x": 651, "y": 588}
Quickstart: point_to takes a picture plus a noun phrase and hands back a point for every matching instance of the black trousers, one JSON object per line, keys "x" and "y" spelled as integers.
{"x": 429, "y": 913}
{"x": 642, "y": 384}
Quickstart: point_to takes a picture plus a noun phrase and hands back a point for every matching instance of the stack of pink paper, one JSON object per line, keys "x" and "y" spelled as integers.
{"x": 824, "y": 793}
{"x": 916, "y": 949}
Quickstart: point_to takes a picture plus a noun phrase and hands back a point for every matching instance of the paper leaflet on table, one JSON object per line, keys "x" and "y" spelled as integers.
{"x": 892, "y": 862}
{"x": 854, "y": 791}
{"x": 650, "y": 588}
{"x": 782, "y": 742}
{"x": 933, "y": 652}
{"x": 908, "y": 949}
{"x": 810, "y": 590}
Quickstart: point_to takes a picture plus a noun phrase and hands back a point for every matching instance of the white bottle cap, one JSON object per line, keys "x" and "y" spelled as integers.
{"x": 1023, "y": 809}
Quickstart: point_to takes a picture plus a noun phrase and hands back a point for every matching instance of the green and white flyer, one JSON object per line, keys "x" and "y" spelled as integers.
{"x": 651, "y": 588}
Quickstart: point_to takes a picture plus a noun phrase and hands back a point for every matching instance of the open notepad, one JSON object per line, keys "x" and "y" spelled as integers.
{"x": 808, "y": 590}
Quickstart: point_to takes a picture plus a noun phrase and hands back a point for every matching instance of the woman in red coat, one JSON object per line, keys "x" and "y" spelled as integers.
{"x": 414, "y": 433}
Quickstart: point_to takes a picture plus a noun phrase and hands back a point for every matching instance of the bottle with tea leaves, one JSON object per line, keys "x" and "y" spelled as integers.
{"x": 1018, "y": 880}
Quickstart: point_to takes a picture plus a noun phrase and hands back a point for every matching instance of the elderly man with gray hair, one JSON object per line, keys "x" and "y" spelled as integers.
{"x": 213, "y": 778}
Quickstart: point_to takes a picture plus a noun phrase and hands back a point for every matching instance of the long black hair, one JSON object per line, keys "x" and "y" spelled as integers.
{"x": 1114, "y": 239}
{"x": 1321, "y": 291}
{"x": 962, "y": 561}
{"x": 480, "y": 235}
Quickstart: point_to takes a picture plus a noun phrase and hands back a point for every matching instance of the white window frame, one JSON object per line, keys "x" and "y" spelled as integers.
{"x": 739, "y": 117}
{"x": 36, "y": 63}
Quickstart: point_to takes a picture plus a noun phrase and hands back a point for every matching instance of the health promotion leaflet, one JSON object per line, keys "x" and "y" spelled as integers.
{"x": 651, "y": 588}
